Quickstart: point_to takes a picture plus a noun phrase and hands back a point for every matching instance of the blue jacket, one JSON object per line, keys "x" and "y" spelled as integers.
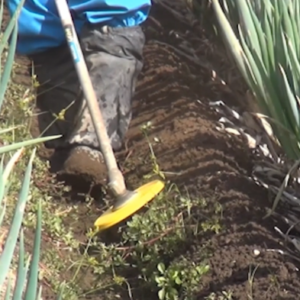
{"x": 40, "y": 27}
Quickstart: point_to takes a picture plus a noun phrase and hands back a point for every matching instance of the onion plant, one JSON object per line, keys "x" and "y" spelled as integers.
{"x": 262, "y": 37}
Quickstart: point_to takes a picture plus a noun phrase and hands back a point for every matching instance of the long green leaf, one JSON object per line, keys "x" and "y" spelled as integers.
{"x": 1, "y": 19}
{"x": 230, "y": 38}
{"x": 287, "y": 22}
{"x": 8, "y": 66}
{"x": 31, "y": 142}
{"x": 5, "y": 130}
{"x": 290, "y": 99}
{"x": 10, "y": 27}
{"x": 261, "y": 39}
{"x": 8, "y": 290}
{"x": 39, "y": 294}
{"x": 294, "y": 60}
{"x": 10, "y": 244}
{"x": 248, "y": 24}
{"x": 1, "y": 13}
{"x": 2, "y": 212}
{"x": 2, "y": 189}
{"x": 269, "y": 42}
{"x": 32, "y": 284}
{"x": 22, "y": 270}
{"x": 9, "y": 167}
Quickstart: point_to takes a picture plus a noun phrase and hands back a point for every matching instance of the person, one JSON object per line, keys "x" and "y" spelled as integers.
{"x": 112, "y": 42}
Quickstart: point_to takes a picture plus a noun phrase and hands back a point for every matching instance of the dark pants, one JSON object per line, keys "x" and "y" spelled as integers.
{"x": 114, "y": 61}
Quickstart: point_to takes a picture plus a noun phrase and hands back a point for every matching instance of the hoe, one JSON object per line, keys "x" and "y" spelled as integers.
{"x": 126, "y": 202}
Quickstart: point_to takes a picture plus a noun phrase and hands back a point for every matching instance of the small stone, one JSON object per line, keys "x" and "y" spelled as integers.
{"x": 256, "y": 252}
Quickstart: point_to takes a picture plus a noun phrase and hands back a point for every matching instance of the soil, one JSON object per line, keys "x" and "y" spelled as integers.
{"x": 173, "y": 93}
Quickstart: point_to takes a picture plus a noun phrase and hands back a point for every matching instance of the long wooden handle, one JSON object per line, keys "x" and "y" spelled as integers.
{"x": 116, "y": 179}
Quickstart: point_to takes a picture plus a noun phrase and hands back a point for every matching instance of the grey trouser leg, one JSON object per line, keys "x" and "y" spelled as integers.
{"x": 114, "y": 60}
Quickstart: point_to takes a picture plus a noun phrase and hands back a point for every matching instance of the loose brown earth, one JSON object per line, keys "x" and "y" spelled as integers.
{"x": 207, "y": 162}
{"x": 173, "y": 93}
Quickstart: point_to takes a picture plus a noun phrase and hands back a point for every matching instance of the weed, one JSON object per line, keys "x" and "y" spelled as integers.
{"x": 156, "y": 171}
{"x": 185, "y": 276}
{"x": 150, "y": 258}
{"x": 251, "y": 276}
{"x": 225, "y": 295}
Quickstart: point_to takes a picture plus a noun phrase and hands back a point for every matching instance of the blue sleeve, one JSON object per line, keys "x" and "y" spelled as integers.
{"x": 40, "y": 27}
{"x": 121, "y": 13}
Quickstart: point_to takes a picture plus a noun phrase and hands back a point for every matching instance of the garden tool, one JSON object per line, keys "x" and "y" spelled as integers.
{"x": 127, "y": 202}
